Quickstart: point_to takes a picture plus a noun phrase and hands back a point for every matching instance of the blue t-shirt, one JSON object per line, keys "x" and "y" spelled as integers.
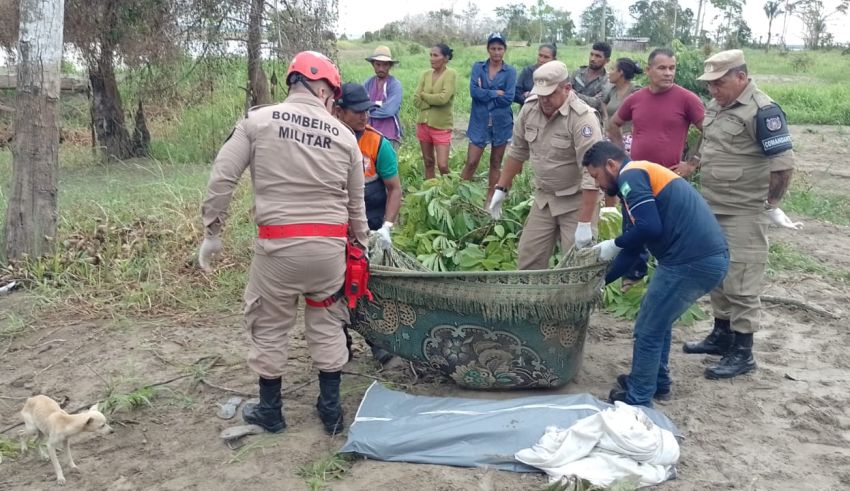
{"x": 669, "y": 216}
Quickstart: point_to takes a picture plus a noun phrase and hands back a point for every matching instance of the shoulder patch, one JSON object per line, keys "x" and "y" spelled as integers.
{"x": 586, "y": 131}
{"x": 772, "y": 130}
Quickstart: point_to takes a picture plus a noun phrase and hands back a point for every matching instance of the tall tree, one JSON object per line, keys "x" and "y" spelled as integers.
{"x": 698, "y": 23}
{"x": 258, "y": 85}
{"x": 661, "y": 21}
{"x": 31, "y": 213}
{"x": 515, "y": 19}
{"x": 550, "y": 23}
{"x": 594, "y": 24}
{"x": 732, "y": 28}
{"x": 772, "y": 9}
{"x": 815, "y": 15}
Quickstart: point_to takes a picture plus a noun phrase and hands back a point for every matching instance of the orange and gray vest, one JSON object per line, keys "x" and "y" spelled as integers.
{"x": 376, "y": 192}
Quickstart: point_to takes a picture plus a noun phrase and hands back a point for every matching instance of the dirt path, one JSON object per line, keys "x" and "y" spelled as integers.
{"x": 785, "y": 427}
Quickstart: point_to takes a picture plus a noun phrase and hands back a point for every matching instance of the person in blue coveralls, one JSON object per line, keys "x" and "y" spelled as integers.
{"x": 492, "y": 84}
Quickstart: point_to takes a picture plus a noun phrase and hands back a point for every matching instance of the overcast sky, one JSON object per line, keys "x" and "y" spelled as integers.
{"x": 358, "y": 16}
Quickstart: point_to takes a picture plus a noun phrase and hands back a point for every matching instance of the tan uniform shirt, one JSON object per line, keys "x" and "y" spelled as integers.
{"x": 556, "y": 148}
{"x": 305, "y": 165}
{"x": 735, "y": 173}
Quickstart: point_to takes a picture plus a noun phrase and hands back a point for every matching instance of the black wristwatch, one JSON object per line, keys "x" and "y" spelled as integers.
{"x": 502, "y": 189}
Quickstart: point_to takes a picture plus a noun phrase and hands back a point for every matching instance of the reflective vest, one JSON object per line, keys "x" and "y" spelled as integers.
{"x": 376, "y": 192}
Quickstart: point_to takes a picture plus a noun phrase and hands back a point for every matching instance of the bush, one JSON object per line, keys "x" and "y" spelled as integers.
{"x": 689, "y": 66}
{"x": 802, "y": 62}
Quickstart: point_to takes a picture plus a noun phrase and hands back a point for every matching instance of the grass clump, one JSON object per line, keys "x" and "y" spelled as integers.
{"x": 130, "y": 401}
{"x": 318, "y": 475}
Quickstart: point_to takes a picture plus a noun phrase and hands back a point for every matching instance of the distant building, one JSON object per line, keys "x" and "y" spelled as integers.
{"x": 630, "y": 43}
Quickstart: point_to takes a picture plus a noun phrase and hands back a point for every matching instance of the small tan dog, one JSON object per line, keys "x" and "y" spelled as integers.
{"x": 44, "y": 419}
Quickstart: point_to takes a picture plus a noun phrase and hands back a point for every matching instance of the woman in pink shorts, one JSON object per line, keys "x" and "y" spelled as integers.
{"x": 434, "y": 96}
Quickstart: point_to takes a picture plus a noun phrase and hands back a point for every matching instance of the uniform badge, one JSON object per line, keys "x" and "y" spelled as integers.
{"x": 625, "y": 189}
{"x": 773, "y": 123}
{"x": 586, "y": 131}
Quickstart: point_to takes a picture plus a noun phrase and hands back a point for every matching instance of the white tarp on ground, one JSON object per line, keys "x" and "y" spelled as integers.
{"x": 395, "y": 426}
{"x": 617, "y": 443}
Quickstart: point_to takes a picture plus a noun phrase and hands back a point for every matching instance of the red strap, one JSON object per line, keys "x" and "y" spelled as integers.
{"x": 302, "y": 230}
{"x": 323, "y": 304}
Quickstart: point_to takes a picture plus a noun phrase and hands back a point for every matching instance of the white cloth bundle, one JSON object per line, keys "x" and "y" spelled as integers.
{"x": 620, "y": 442}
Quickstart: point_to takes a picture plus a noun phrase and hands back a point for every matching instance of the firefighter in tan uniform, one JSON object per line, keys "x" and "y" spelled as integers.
{"x": 554, "y": 129}
{"x": 307, "y": 179}
{"x": 747, "y": 161}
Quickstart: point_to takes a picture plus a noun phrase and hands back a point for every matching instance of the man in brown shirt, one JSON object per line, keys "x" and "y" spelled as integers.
{"x": 746, "y": 162}
{"x": 307, "y": 181}
{"x": 554, "y": 129}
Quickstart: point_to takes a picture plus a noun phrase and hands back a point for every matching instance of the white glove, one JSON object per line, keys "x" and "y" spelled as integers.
{"x": 584, "y": 235}
{"x": 780, "y": 219}
{"x": 495, "y": 207}
{"x": 384, "y": 240}
{"x": 210, "y": 248}
{"x": 607, "y": 249}
{"x": 609, "y": 211}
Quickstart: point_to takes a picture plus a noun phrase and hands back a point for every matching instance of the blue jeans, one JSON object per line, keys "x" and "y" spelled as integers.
{"x": 671, "y": 291}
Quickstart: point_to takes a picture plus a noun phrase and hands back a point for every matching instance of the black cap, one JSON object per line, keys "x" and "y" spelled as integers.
{"x": 496, "y": 37}
{"x": 355, "y": 98}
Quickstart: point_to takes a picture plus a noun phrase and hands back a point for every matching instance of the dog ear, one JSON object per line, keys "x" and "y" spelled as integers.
{"x": 94, "y": 408}
{"x": 89, "y": 421}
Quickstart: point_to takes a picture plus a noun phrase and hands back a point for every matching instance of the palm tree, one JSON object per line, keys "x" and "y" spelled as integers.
{"x": 772, "y": 9}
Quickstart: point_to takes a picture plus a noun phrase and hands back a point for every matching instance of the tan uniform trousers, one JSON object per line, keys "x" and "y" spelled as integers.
{"x": 737, "y": 298}
{"x": 541, "y": 230}
{"x": 271, "y": 305}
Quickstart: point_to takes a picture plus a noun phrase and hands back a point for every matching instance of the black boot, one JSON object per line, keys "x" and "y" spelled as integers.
{"x": 737, "y": 361}
{"x": 267, "y": 413}
{"x": 716, "y": 343}
{"x": 328, "y": 405}
{"x": 660, "y": 395}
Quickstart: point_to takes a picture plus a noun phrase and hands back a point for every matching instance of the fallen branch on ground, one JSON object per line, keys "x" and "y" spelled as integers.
{"x": 793, "y": 302}
{"x": 226, "y": 389}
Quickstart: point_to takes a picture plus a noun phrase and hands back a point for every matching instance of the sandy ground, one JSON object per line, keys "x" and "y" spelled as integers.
{"x": 787, "y": 426}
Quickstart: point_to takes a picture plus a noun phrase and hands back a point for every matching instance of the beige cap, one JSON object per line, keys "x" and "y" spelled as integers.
{"x": 381, "y": 53}
{"x": 548, "y": 76}
{"x": 720, "y": 63}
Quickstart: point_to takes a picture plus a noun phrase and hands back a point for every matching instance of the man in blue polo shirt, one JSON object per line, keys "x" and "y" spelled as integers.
{"x": 674, "y": 222}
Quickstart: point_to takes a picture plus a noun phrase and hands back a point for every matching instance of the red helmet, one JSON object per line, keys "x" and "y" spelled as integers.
{"x": 315, "y": 66}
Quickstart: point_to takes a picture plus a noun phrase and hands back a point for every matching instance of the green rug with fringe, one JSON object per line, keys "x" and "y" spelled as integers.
{"x": 490, "y": 330}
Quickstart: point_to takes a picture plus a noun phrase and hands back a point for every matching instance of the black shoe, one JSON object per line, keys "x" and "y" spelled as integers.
{"x": 328, "y": 404}
{"x": 617, "y": 394}
{"x": 383, "y": 356}
{"x": 267, "y": 413}
{"x": 717, "y": 342}
{"x": 660, "y": 395}
{"x": 738, "y": 361}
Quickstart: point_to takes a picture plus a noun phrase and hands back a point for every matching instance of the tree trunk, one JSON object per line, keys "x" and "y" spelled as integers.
{"x": 769, "y": 31}
{"x": 107, "y": 112}
{"x": 258, "y": 86}
{"x": 698, "y": 34}
{"x": 141, "y": 135}
{"x": 31, "y": 212}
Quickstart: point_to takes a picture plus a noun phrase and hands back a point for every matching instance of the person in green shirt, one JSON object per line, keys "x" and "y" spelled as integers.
{"x": 434, "y": 97}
